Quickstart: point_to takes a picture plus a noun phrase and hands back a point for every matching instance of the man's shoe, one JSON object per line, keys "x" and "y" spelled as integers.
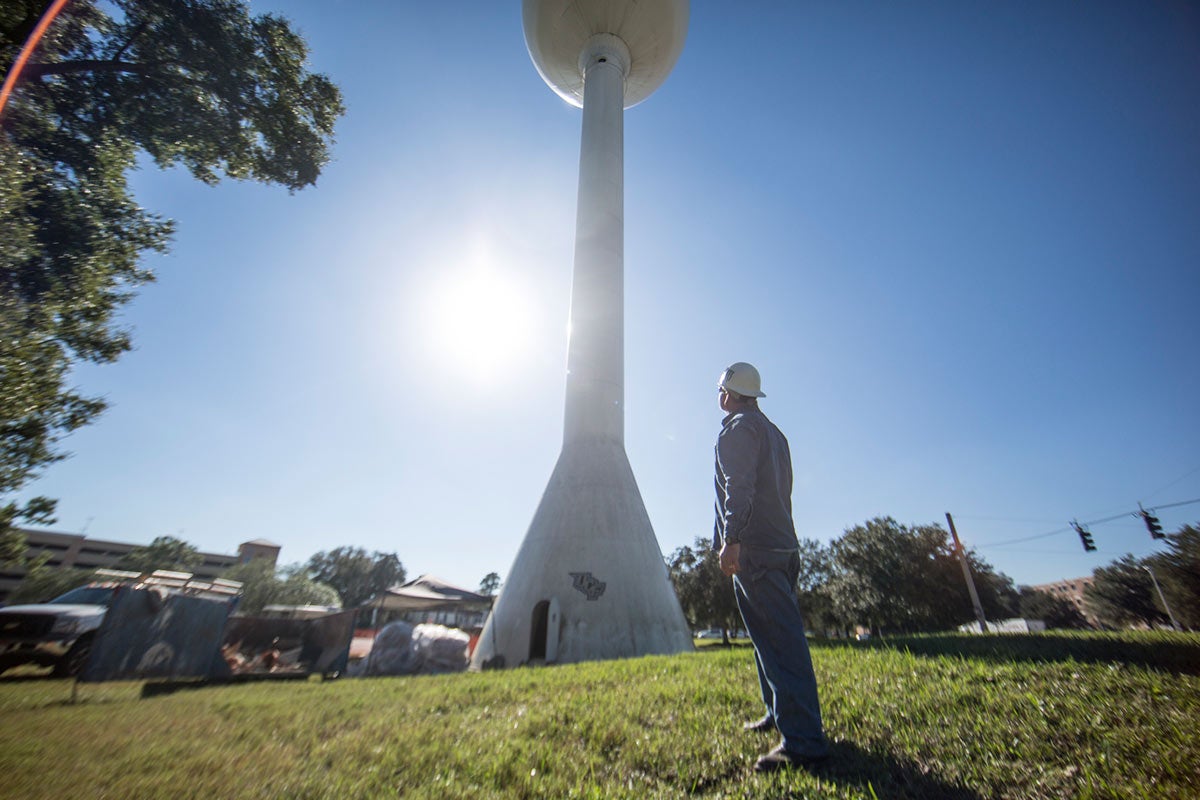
{"x": 767, "y": 723}
{"x": 780, "y": 758}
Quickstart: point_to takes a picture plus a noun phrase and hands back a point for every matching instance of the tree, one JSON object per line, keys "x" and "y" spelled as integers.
{"x": 1178, "y": 573}
{"x": 196, "y": 83}
{"x": 1122, "y": 594}
{"x": 355, "y": 575}
{"x": 42, "y": 583}
{"x": 997, "y": 593}
{"x": 490, "y": 584}
{"x": 816, "y": 567}
{"x": 165, "y": 552}
{"x": 263, "y": 586}
{"x": 12, "y": 547}
{"x": 909, "y": 579}
{"x": 38, "y": 511}
{"x": 705, "y": 593}
{"x": 1055, "y": 611}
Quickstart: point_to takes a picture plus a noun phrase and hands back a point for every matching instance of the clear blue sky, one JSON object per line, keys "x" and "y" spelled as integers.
{"x": 961, "y": 241}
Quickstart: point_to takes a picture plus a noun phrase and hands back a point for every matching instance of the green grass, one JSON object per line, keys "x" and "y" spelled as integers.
{"x": 926, "y": 717}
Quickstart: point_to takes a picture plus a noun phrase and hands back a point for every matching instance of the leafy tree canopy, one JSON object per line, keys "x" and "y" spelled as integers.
{"x": 896, "y": 577}
{"x": 490, "y": 584}
{"x": 812, "y": 585}
{"x": 197, "y": 83}
{"x": 705, "y": 593}
{"x": 42, "y": 583}
{"x": 165, "y": 552}
{"x": 263, "y": 586}
{"x": 38, "y": 511}
{"x": 1122, "y": 594}
{"x": 1054, "y": 611}
{"x": 12, "y": 545}
{"x": 356, "y": 575}
{"x": 1178, "y": 573}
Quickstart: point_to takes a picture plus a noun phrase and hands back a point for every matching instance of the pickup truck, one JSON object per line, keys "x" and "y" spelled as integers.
{"x": 55, "y": 634}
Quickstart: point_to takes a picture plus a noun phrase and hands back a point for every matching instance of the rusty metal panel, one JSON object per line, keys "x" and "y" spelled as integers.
{"x": 149, "y": 633}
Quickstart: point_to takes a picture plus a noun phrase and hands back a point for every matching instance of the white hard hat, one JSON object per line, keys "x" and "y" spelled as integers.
{"x": 741, "y": 378}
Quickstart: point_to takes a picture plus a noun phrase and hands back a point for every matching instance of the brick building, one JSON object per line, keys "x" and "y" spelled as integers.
{"x": 1070, "y": 590}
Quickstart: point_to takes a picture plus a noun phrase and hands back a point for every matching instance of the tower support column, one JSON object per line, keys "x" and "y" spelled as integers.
{"x": 595, "y": 396}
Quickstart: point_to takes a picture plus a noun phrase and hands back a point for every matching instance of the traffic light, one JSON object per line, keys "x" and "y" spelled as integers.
{"x": 1085, "y": 536}
{"x": 1153, "y": 525}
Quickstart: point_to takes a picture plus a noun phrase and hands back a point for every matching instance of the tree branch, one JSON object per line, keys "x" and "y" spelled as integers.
{"x": 37, "y": 70}
{"x": 132, "y": 38}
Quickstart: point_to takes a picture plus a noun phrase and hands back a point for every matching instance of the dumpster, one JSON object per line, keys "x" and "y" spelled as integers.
{"x": 273, "y": 647}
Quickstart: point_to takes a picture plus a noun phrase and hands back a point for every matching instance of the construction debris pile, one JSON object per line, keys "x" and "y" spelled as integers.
{"x": 404, "y": 649}
{"x": 244, "y": 659}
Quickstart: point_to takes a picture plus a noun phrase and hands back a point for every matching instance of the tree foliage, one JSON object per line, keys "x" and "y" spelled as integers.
{"x": 263, "y": 585}
{"x": 1122, "y": 594}
{"x": 1178, "y": 572}
{"x": 490, "y": 584}
{"x": 165, "y": 552}
{"x": 812, "y": 586}
{"x": 12, "y": 546}
{"x": 200, "y": 84}
{"x": 36, "y": 511}
{"x": 893, "y": 577}
{"x": 1056, "y": 612}
{"x": 704, "y": 592}
{"x": 356, "y": 575}
{"x": 42, "y": 583}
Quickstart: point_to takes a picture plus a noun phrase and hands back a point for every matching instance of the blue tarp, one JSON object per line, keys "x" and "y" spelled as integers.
{"x": 149, "y": 633}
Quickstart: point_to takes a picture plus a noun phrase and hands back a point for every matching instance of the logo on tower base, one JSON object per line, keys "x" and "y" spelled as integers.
{"x": 591, "y": 587}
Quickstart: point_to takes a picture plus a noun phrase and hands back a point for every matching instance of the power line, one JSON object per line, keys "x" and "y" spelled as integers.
{"x": 1025, "y": 538}
{"x": 1110, "y": 519}
{"x": 1172, "y": 483}
{"x": 1069, "y": 552}
{"x": 1040, "y": 521}
{"x": 1173, "y": 505}
{"x": 1068, "y": 528}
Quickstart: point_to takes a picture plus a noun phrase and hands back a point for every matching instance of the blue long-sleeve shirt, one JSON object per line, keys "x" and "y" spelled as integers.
{"x": 753, "y": 483}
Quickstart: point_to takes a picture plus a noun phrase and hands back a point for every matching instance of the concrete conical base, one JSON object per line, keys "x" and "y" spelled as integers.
{"x": 589, "y": 582}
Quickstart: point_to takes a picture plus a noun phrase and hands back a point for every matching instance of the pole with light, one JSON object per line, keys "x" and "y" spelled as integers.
{"x": 1162, "y": 597}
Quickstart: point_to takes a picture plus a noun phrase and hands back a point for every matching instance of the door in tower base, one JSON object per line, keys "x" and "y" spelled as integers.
{"x": 543, "y": 632}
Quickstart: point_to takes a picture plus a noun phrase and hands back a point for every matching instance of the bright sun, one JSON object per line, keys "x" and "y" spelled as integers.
{"x": 479, "y": 322}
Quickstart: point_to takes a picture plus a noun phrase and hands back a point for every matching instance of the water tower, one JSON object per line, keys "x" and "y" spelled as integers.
{"x": 589, "y": 581}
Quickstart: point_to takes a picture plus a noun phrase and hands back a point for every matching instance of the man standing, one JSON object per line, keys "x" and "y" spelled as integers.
{"x": 758, "y": 547}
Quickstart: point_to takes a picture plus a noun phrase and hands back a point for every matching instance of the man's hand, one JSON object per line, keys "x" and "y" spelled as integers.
{"x": 731, "y": 555}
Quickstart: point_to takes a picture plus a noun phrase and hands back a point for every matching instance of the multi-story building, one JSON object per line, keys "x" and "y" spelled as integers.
{"x": 74, "y": 550}
{"x": 1070, "y": 590}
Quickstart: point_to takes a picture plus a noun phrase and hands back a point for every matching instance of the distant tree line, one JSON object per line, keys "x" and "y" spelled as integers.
{"x": 894, "y": 578}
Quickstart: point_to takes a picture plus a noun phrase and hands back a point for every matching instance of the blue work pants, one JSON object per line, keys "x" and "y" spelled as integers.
{"x": 766, "y": 596}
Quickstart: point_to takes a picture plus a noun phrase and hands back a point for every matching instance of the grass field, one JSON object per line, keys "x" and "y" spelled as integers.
{"x": 1044, "y": 716}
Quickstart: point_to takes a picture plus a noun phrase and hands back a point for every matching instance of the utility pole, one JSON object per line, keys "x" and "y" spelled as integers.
{"x": 962, "y": 559}
{"x": 1162, "y": 597}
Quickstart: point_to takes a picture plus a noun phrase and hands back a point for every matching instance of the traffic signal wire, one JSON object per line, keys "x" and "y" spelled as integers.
{"x": 1069, "y": 528}
{"x": 1173, "y": 505}
{"x": 1172, "y": 483}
